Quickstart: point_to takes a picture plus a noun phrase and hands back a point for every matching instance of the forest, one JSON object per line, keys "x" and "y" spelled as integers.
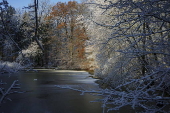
{"x": 125, "y": 43}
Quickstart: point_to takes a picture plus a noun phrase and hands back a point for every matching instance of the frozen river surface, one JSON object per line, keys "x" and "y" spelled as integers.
{"x": 42, "y": 96}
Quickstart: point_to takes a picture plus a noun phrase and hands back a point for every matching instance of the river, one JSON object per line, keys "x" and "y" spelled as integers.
{"x": 42, "y": 96}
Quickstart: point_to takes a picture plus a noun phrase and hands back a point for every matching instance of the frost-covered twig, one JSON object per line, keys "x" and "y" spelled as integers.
{"x": 141, "y": 95}
{"x": 4, "y": 93}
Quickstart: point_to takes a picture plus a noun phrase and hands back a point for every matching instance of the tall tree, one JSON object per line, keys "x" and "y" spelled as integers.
{"x": 8, "y": 39}
{"x": 70, "y": 32}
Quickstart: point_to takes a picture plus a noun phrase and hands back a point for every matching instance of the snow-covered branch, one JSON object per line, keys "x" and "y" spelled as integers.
{"x": 12, "y": 89}
{"x": 137, "y": 93}
{"x": 132, "y": 52}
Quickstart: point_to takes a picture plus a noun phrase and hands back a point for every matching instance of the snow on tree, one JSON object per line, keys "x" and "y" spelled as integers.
{"x": 8, "y": 50}
{"x": 28, "y": 55}
{"x": 132, "y": 52}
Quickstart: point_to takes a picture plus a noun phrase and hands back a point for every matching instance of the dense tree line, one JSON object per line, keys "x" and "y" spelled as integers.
{"x": 51, "y": 36}
{"x": 69, "y": 35}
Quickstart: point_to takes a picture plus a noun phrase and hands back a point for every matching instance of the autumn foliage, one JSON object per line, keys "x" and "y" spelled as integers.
{"x": 71, "y": 33}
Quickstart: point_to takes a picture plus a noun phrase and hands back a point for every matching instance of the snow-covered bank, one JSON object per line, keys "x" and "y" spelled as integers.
{"x": 10, "y": 67}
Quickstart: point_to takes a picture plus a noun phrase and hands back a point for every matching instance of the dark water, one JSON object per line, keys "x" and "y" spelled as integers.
{"x": 42, "y": 96}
